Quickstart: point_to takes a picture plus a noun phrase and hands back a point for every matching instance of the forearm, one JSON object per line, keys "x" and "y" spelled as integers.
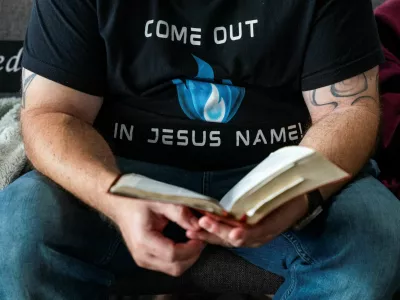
{"x": 347, "y": 138}
{"x": 71, "y": 153}
{"x": 345, "y": 122}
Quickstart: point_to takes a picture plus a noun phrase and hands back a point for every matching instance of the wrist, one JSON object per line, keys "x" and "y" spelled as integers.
{"x": 106, "y": 203}
{"x": 105, "y": 179}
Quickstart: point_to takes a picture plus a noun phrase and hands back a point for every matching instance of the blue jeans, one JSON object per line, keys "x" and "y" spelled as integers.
{"x": 53, "y": 247}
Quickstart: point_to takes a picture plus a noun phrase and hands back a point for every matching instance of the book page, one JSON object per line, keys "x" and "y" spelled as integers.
{"x": 315, "y": 171}
{"x": 147, "y": 184}
{"x": 144, "y": 188}
{"x": 295, "y": 181}
{"x": 274, "y": 165}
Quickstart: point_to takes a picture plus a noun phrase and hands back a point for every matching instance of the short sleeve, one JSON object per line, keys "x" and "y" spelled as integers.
{"x": 343, "y": 43}
{"x": 63, "y": 44}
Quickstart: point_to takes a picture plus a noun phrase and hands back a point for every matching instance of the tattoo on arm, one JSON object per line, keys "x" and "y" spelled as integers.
{"x": 27, "y": 78}
{"x": 352, "y": 89}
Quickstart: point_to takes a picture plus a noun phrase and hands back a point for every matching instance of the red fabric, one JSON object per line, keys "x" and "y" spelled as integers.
{"x": 388, "y": 20}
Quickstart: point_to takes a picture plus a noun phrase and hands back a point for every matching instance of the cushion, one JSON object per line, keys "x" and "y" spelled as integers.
{"x": 217, "y": 271}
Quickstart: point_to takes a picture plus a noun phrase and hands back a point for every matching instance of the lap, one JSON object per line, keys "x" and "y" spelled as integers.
{"x": 362, "y": 209}
{"x": 362, "y": 224}
{"x": 364, "y": 214}
{"x": 35, "y": 210}
{"x": 357, "y": 236}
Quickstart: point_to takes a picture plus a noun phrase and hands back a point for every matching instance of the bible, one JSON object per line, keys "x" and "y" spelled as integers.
{"x": 284, "y": 175}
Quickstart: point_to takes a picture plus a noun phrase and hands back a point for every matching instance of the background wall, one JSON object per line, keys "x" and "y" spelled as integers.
{"x": 14, "y": 15}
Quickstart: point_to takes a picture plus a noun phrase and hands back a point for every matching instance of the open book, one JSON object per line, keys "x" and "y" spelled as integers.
{"x": 282, "y": 176}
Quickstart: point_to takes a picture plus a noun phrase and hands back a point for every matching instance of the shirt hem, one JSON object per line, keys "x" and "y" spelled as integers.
{"x": 61, "y": 76}
{"x": 326, "y": 78}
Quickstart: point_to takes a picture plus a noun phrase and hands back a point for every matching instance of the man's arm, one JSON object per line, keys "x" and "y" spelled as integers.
{"x": 61, "y": 142}
{"x": 345, "y": 121}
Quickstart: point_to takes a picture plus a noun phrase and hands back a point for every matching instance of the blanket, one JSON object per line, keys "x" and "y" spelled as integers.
{"x": 388, "y": 158}
{"x": 12, "y": 154}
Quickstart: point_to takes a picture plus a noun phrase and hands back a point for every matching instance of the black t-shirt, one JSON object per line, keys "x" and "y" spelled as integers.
{"x": 201, "y": 84}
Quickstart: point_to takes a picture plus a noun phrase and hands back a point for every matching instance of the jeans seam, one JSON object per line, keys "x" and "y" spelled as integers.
{"x": 292, "y": 285}
{"x": 111, "y": 251}
{"x": 298, "y": 247}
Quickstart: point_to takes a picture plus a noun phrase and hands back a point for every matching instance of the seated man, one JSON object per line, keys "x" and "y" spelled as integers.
{"x": 194, "y": 93}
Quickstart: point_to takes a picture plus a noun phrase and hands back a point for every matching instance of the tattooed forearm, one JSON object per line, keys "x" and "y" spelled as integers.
{"x": 351, "y": 87}
{"x": 363, "y": 98}
{"x": 315, "y": 103}
{"x": 27, "y": 78}
{"x": 335, "y": 104}
{"x": 347, "y": 92}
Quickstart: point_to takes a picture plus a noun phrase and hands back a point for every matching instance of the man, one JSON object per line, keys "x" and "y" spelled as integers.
{"x": 194, "y": 93}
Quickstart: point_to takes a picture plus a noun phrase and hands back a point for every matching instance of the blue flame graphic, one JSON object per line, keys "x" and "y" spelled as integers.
{"x": 207, "y": 101}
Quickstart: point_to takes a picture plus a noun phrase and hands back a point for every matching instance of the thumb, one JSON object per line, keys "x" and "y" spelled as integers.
{"x": 180, "y": 215}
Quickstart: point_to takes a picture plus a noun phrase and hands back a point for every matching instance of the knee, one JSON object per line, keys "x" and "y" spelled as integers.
{"x": 371, "y": 229}
{"x": 23, "y": 222}
{"x": 366, "y": 258}
{"x": 376, "y": 231}
{"x": 379, "y": 245}
{"x": 367, "y": 215}
{"x": 362, "y": 235}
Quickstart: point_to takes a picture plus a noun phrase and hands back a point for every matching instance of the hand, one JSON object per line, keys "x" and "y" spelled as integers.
{"x": 142, "y": 223}
{"x": 228, "y": 235}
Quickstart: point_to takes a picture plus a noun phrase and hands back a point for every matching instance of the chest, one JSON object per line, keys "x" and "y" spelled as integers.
{"x": 260, "y": 42}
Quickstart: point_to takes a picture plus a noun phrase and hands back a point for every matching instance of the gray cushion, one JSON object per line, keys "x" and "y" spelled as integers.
{"x": 217, "y": 271}
{"x": 14, "y": 15}
{"x": 376, "y": 3}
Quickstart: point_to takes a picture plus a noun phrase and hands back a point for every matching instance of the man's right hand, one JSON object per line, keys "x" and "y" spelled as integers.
{"x": 142, "y": 223}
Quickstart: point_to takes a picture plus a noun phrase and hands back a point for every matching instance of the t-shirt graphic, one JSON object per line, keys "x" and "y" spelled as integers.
{"x": 208, "y": 101}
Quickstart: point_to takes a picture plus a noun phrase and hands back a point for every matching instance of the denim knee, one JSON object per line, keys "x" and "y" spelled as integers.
{"x": 366, "y": 219}
{"x": 50, "y": 243}
{"x": 25, "y": 223}
{"x": 373, "y": 269}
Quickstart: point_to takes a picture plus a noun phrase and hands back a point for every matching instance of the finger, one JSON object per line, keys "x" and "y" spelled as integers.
{"x": 226, "y": 220}
{"x": 219, "y": 229}
{"x": 164, "y": 248}
{"x": 180, "y": 215}
{"x": 237, "y": 242}
{"x": 175, "y": 269}
{"x": 207, "y": 237}
{"x": 188, "y": 250}
{"x": 224, "y": 231}
{"x": 278, "y": 221}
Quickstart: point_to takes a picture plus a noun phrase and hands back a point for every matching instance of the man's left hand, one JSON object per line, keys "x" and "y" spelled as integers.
{"x": 220, "y": 233}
